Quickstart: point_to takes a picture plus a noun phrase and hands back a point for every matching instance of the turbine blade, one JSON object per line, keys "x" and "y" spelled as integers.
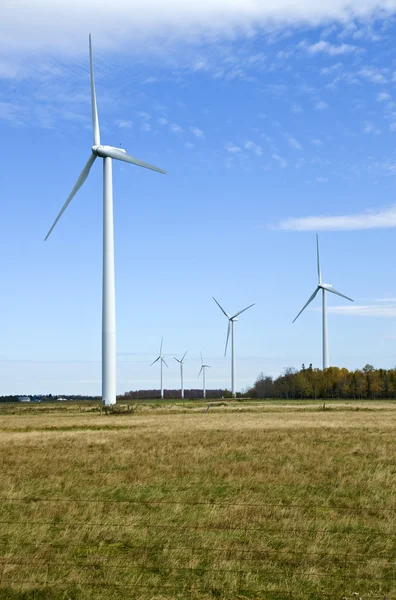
{"x": 162, "y": 339}
{"x": 184, "y": 356}
{"x": 83, "y": 175}
{"x": 156, "y": 360}
{"x": 241, "y": 311}
{"x": 179, "y": 361}
{"x": 228, "y": 335}
{"x": 163, "y": 360}
{"x": 221, "y": 308}
{"x": 309, "y": 302}
{"x": 108, "y": 151}
{"x": 95, "y": 120}
{"x": 330, "y": 288}
{"x": 200, "y": 371}
{"x": 318, "y": 260}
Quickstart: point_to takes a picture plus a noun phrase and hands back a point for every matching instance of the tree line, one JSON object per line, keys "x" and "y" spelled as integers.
{"x": 306, "y": 383}
{"x": 367, "y": 383}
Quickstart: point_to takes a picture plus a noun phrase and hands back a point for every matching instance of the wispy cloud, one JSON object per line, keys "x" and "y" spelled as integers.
{"x": 146, "y": 127}
{"x": 296, "y": 109}
{"x": 387, "y": 310}
{"x": 175, "y": 128}
{"x": 374, "y": 75}
{"x": 383, "y": 97}
{"x": 383, "y": 218}
{"x": 330, "y": 70}
{"x": 331, "y": 49}
{"x": 293, "y": 143}
{"x": 321, "y": 105}
{"x": 12, "y": 113}
{"x": 281, "y": 161}
{"x": 37, "y": 29}
{"x": 124, "y": 124}
{"x": 232, "y": 148}
{"x": 369, "y": 127}
{"x": 255, "y": 148}
{"x": 197, "y": 132}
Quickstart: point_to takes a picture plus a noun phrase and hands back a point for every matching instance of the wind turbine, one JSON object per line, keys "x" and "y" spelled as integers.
{"x": 231, "y": 327}
{"x": 161, "y": 358}
{"x": 181, "y": 363}
{"x": 202, "y": 370}
{"x": 108, "y": 298}
{"x": 325, "y": 287}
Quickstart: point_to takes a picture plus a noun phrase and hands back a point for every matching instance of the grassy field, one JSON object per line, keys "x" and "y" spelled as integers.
{"x": 162, "y": 501}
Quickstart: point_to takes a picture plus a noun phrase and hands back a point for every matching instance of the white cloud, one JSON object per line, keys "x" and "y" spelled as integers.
{"x": 321, "y": 105}
{"x": 124, "y": 124}
{"x": 255, "y": 148}
{"x": 317, "y": 142}
{"x": 365, "y": 310}
{"x": 12, "y": 113}
{"x": 383, "y": 97}
{"x": 331, "y": 49}
{"x": 372, "y": 75}
{"x": 330, "y": 70}
{"x": 162, "y": 121}
{"x": 293, "y": 143}
{"x": 146, "y": 127}
{"x": 44, "y": 26}
{"x": 281, "y": 161}
{"x": 322, "y": 179}
{"x": 150, "y": 80}
{"x": 380, "y": 219}
{"x": 371, "y": 128}
{"x": 296, "y": 109}
{"x": 175, "y": 128}
{"x": 197, "y": 132}
{"x": 232, "y": 148}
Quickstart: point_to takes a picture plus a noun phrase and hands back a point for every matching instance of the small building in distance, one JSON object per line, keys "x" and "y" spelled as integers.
{"x": 23, "y": 398}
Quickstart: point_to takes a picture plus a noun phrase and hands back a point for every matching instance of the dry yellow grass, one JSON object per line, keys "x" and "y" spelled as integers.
{"x": 246, "y": 501}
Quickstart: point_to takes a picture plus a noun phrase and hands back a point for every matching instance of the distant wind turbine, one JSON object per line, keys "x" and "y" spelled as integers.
{"x": 108, "y": 299}
{"x": 202, "y": 370}
{"x": 231, "y": 327}
{"x": 181, "y": 363}
{"x": 161, "y": 358}
{"x": 325, "y": 287}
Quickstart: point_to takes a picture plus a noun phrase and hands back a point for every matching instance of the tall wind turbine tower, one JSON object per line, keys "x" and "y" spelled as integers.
{"x": 231, "y": 328}
{"x": 203, "y": 371}
{"x": 181, "y": 363}
{"x": 325, "y": 287}
{"x": 108, "y": 153}
{"x": 161, "y": 358}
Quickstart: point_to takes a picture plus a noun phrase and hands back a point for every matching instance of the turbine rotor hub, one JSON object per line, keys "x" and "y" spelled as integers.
{"x": 100, "y": 150}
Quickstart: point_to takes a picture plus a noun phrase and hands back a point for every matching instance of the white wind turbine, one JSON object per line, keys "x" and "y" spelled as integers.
{"x": 203, "y": 371}
{"x": 325, "y": 287}
{"x": 108, "y": 299}
{"x": 231, "y": 327}
{"x": 181, "y": 363}
{"x": 161, "y": 358}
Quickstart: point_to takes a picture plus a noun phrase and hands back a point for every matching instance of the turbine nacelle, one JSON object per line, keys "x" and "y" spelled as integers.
{"x": 103, "y": 151}
{"x": 326, "y": 287}
{"x": 232, "y": 319}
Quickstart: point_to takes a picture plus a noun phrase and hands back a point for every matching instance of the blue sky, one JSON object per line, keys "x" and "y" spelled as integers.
{"x": 274, "y": 120}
